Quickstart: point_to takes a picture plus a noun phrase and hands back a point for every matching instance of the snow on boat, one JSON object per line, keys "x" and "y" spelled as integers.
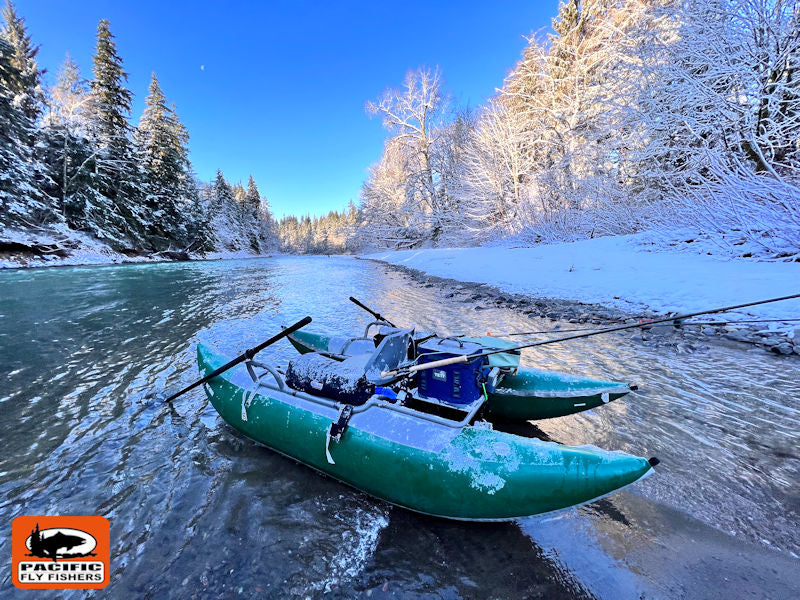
{"x": 521, "y": 394}
{"x": 456, "y": 468}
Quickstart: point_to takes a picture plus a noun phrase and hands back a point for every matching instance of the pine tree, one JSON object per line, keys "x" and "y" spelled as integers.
{"x": 22, "y": 172}
{"x": 220, "y": 206}
{"x": 120, "y": 215}
{"x": 27, "y": 86}
{"x": 20, "y": 200}
{"x": 567, "y": 25}
{"x": 162, "y": 143}
{"x": 252, "y": 198}
{"x": 112, "y": 99}
{"x": 222, "y": 191}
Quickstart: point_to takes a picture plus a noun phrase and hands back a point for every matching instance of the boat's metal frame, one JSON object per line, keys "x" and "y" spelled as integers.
{"x": 374, "y": 402}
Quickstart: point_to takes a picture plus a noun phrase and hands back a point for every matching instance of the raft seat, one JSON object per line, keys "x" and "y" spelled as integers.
{"x": 343, "y": 381}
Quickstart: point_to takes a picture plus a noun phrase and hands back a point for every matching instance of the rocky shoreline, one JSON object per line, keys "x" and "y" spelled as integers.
{"x": 684, "y": 337}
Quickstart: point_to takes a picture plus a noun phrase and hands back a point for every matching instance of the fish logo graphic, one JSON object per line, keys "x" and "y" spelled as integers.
{"x": 56, "y": 543}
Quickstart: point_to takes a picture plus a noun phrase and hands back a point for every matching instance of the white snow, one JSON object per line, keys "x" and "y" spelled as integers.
{"x": 88, "y": 251}
{"x": 622, "y": 271}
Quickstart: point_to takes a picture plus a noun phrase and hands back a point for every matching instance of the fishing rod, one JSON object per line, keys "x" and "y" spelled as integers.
{"x": 468, "y": 357}
{"x": 645, "y": 324}
{"x": 544, "y": 331}
{"x": 736, "y": 322}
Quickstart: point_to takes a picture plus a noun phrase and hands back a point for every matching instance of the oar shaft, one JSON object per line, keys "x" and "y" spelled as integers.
{"x": 246, "y": 355}
{"x": 375, "y": 314}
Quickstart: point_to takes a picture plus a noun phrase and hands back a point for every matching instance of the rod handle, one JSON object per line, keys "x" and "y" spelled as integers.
{"x": 431, "y": 365}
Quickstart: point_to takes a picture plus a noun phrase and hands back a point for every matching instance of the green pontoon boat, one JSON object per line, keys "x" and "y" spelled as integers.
{"x": 343, "y": 418}
{"x": 521, "y": 393}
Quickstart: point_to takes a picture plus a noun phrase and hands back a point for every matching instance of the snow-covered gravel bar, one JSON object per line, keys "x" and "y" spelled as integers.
{"x": 621, "y": 271}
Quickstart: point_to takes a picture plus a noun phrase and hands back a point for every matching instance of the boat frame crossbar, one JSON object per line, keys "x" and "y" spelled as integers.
{"x": 261, "y": 380}
{"x": 369, "y": 325}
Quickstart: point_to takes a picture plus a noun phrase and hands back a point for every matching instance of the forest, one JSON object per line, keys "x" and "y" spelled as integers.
{"x": 630, "y": 115}
{"x": 76, "y": 171}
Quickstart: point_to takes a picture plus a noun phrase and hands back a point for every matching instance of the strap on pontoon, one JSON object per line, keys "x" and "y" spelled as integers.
{"x": 336, "y": 430}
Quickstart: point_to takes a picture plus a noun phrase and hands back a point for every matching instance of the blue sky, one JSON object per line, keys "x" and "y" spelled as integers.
{"x": 277, "y": 89}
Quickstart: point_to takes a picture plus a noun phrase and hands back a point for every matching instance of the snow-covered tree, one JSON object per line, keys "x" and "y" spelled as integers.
{"x": 252, "y": 197}
{"x": 327, "y": 234}
{"x": 234, "y": 226}
{"x": 721, "y": 117}
{"x": 561, "y": 92}
{"x": 414, "y": 116}
{"x": 496, "y": 167}
{"x": 116, "y": 213}
{"x": 21, "y": 202}
{"x": 449, "y": 163}
{"x": 267, "y": 228}
{"x": 390, "y": 215}
{"x": 168, "y": 186}
{"x": 68, "y": 152}
{"x": 27, "y": 85}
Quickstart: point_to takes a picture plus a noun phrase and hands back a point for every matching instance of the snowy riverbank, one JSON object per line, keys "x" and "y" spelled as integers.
{"x": 628, "y": 274}
{"x": 71, "y": 248}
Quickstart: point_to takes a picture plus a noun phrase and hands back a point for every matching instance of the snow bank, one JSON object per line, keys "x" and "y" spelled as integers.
{"x": 76, "y": 248}
{"x": 622, "y": 271}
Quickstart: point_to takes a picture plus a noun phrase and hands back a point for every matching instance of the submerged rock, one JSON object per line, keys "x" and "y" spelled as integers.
{"x": 783, "y": 348}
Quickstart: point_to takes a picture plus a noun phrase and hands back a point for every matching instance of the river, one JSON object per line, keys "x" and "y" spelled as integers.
{"x": 199, "y": 511}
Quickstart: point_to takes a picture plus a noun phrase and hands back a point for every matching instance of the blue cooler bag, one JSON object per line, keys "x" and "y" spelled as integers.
{"x": 459, "y": 383}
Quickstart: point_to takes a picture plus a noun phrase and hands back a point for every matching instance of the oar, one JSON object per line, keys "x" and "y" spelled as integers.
{"x": 375, "y": 314}
{"x": 467, "y": 357}
{"x": 246, "y": 355}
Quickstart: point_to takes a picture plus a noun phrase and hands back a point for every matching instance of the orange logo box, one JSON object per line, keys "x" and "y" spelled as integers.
{"x": 60, "y": 552}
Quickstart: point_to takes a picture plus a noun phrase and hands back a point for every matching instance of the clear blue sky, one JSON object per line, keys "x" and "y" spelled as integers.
{"x": 277, "y": 89}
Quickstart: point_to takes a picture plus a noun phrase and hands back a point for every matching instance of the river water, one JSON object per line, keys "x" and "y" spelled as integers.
{"x": 199, "y": 511}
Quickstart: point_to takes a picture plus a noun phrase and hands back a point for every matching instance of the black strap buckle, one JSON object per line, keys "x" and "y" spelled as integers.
{"x": 338, "y": 428}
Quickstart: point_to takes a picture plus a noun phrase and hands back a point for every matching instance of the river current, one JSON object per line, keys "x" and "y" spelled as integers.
{"x": 196, "y": 510}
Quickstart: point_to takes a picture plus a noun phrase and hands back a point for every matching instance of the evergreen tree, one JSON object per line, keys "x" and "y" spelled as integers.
{"x": 23, "y": 172}
{"x": 220, "y": 202}
{"x": 223, "y": 193}
{"x": 252, "y": 198}
{"x": 20, "y": 201}
{"x": 266, "y": 227}
{"x": 238, "y": 191}
{"x": 567, "y": 25}
{"x": 162, "y": 143}
{"x": 120, "y": 215}
{"x": 27, "y": 86}
{"x": 112, "y": 99}
{"x": 198, "y": 225}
